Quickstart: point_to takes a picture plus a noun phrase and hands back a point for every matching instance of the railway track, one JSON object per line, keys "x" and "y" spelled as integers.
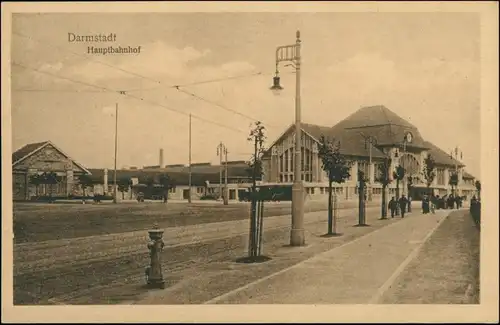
{"x": 63, "y": 284}
{"x": 66, "y": 281}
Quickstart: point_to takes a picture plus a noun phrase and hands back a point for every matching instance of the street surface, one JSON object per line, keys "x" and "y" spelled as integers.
{"x": 375, "y": 264}
{"x": 36, "y": 222}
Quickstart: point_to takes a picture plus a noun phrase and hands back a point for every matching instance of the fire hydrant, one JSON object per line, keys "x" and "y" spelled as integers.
{"x": 154, "y": 276}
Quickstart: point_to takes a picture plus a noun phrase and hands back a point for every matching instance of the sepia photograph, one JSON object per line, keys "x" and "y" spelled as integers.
{"x": 248, "y": 157}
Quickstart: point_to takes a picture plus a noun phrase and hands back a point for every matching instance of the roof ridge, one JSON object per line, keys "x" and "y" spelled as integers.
{"x": 385, "y": 113}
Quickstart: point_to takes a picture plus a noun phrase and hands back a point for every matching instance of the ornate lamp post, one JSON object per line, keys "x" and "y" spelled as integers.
{"x": 370, "y": 141}
{"x": 291, "y": 53}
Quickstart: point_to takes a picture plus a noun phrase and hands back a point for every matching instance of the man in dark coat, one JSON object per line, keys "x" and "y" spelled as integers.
{"x": 425, "y": 204}
{"x": 392, "y": 206}
{"x": 403, "y": 201}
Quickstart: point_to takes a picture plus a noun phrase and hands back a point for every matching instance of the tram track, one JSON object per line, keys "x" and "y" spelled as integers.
{"x": 47, "y": 281}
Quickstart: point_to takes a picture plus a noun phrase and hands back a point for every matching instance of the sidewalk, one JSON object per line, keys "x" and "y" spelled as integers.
{"x": 357, "y": 272}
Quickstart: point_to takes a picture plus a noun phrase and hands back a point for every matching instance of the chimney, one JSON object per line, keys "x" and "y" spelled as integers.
{"x": 105, "y": 189}
{"x": 161, "y": 158}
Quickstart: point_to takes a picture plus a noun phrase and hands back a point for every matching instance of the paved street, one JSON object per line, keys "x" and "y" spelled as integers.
{"x": 34, "y": 222}
{"x": 62, "y": 270}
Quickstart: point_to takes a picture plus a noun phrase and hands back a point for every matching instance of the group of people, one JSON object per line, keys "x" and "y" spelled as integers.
{"x": 403, "y": 203}
{"x": 429, "y": 204}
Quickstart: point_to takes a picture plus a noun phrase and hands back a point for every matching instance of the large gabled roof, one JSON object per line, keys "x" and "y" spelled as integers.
{"x": 441, "y": 157}
{"x": 31, "y": 148}
{"x": 377, "y": 122}
{"x": 380, "y": 123}
{"x": 27, "y": 150}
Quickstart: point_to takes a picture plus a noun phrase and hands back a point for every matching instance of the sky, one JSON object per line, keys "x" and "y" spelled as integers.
{"x": 425, "y": 67}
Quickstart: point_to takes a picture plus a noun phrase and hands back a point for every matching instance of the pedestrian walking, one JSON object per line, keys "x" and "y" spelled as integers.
{"x": 432, "y": 203}
{"x": 425, "y": 204}
{"x": 403, "y": 201}
{"x": 392, "y": 207}
{"x": 409, "y": 204}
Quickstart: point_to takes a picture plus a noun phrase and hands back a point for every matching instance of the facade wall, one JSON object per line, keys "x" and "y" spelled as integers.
{"x": 316, "y": 180}
{"x": 48, "y": 159}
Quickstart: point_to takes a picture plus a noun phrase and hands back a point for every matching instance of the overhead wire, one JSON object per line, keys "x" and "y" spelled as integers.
{"x": 124, "y": 93}
{"x": 220, "y": 106}
{"x": 177, "y": 87}
{"x": 161, "y": 85}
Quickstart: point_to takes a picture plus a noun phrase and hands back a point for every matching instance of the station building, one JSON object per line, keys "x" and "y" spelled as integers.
{"x": 387, "y": 131}
{"x": 42, "y": 157}
{"x": 45, "y": 157}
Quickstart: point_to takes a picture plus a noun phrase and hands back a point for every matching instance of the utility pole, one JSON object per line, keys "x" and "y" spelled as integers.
{"x": 189, "y": 197}
{"x": 116, "y": 151}
{"x": 220, "y": 152}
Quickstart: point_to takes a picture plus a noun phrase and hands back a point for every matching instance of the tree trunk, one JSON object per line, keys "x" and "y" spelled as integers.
{"x": 361, "y": 197}
{"x": 330, "y": 207}
{"x": 384, "y": 202}
{"x": 253, "y": 208}
{"x": 397, "y": 196}
{"x": 408, "y": 197}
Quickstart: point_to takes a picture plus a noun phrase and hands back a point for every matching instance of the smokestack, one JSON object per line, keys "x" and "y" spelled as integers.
{"x": 161, "y": 158}
{"x": 105, "y": 190}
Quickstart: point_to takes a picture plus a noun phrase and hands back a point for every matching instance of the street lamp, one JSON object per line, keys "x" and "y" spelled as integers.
{"x": 291, "y": 53}
{"x": 276, "y": 88}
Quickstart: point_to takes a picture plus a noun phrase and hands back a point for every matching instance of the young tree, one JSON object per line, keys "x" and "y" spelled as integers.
{"x": 166, "y": 182}
{"x": 257, "y": 137}
{"x": 85, "y": 181}
{"x": 429, "y": 172}
{"x": 384, "y": 178}
{"x": 398, "y": 175}
{"x": 123, "y": 186}
{"x": 362, "y": 179}
{"x": 478, "y": 188}
{"x": 36, "y": 180}
{"x": 409, "y": 186}
{"x": 337, "y": 169}
{"x": 49, "y": 178}
{"x": 130, "y": 185}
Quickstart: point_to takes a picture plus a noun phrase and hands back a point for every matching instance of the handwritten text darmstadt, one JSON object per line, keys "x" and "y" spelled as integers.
{"x": 103, "y": 38}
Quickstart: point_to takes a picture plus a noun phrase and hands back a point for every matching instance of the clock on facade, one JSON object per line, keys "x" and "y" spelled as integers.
{"x": 409, "y": 137}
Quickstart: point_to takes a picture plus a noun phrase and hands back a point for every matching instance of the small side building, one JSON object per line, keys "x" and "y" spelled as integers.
{"x": 44, "y": 157}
